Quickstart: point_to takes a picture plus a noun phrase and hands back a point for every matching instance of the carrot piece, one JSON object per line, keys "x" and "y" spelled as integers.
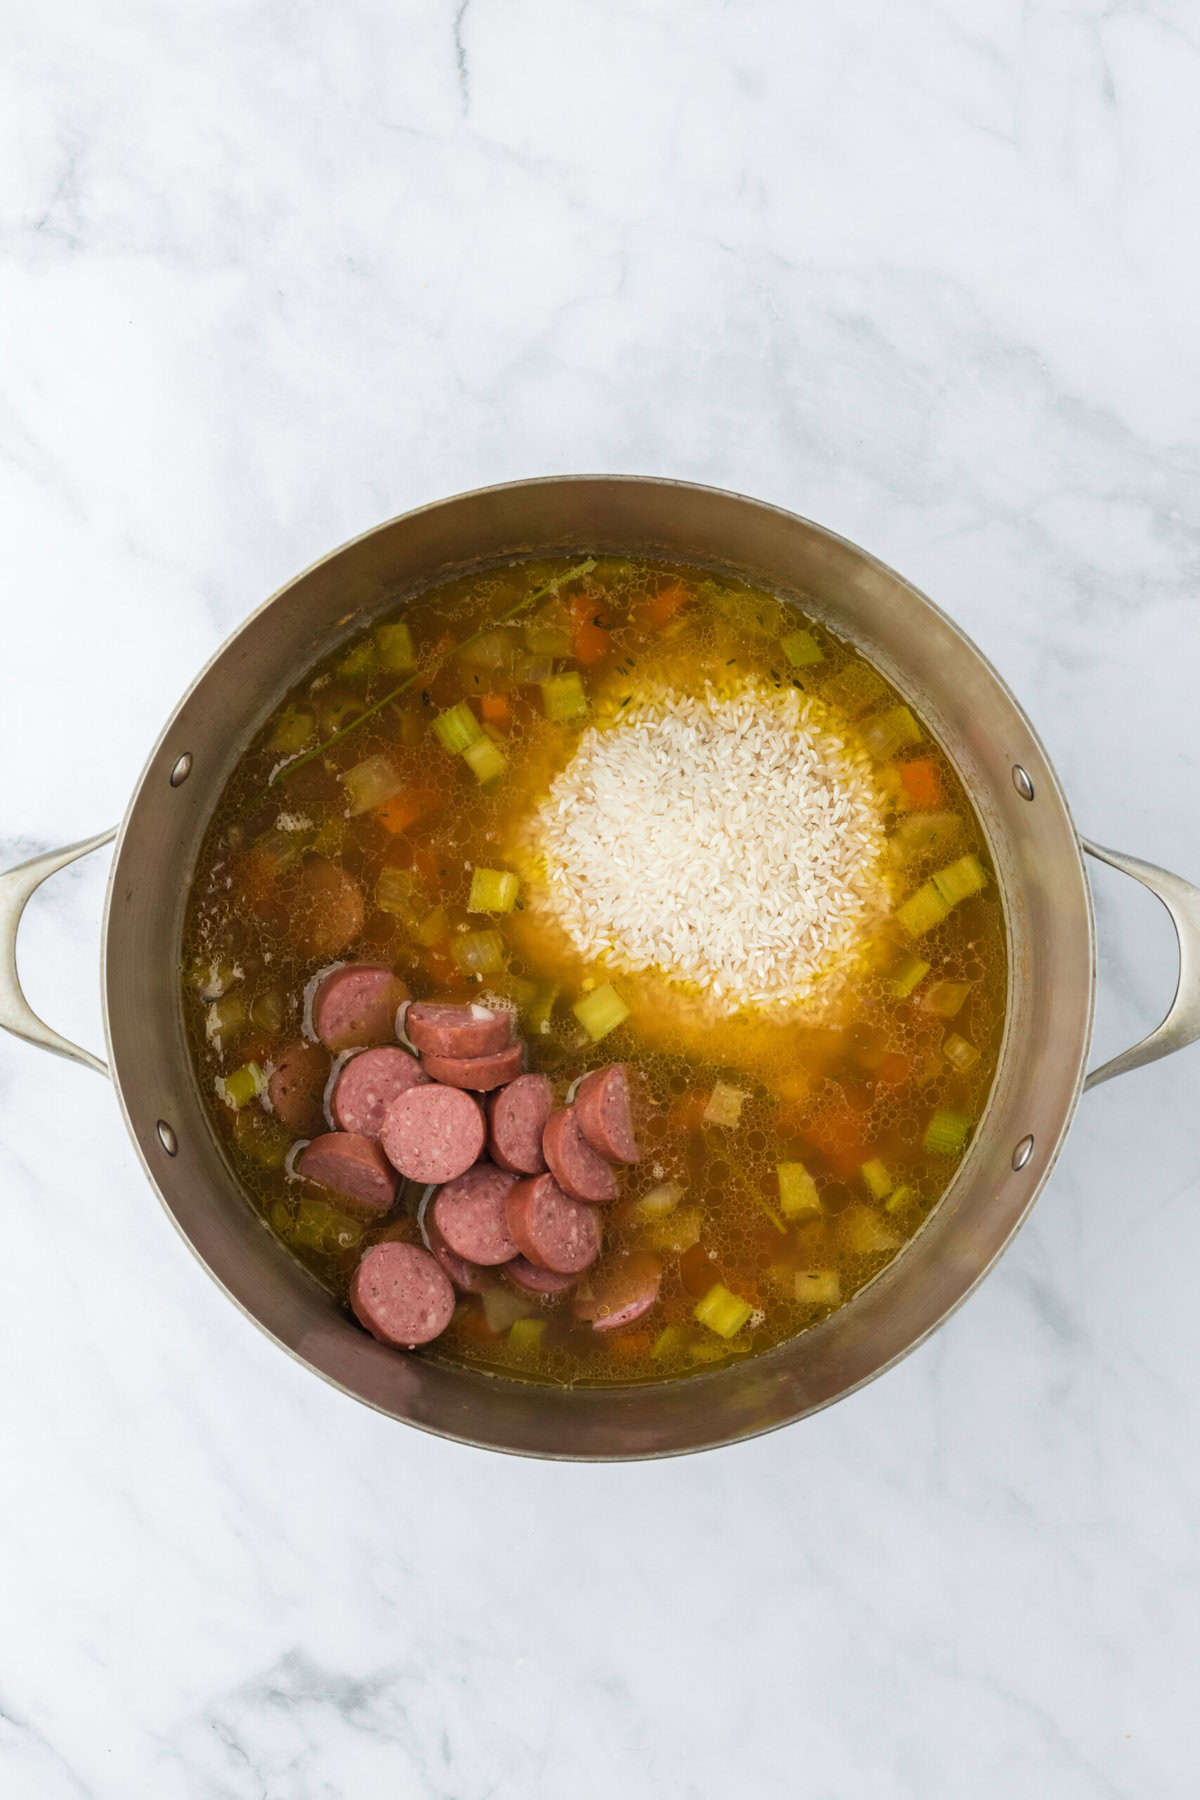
{"x": 894, "y": 1068}
{"x": 496, "y": 709}
{"x": 630, "y": 1345}
{"x": 590, "y": 640}
{"x": 922, "y": 782}
{"x": 837, "y": 1131}
{"x": 404, "y": 809}
{"x": 659, "y": 609}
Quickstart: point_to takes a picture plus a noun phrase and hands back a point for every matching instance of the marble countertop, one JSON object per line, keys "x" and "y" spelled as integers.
{"x": 927, "y": 274}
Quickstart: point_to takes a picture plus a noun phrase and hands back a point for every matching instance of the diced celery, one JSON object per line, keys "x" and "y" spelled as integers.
{"x": 876, "y": 1176}
{"x": 279, "y": 1217}
{"x": 601, "y": 1011}
{"x": 241, "y": 1086}
{"x": 677, "y": 1231}
{"x": 433, "y": 928}
{"x": 530, "y": 670}
{"x": 478, "y": 952}
{"x": 724, "y": 1105}
{"x": 492, "y": 891}
{"x": 485, "y": 760}
{"x": 319, "y": 1226}
{"x": 225, "y": 1017}
{"x": 924, "y": 834}
{"x": 369, "y": 783}
{"x": 547, "y": 640}
{"x": 944, "y": 998}
{"x": 669, "y": 1342}
{"x": 889, "y": 731}
{"x": 900, "y": 1199}
{"x": 502, "y": 1308}
{"x": 359, "y": 662}
{"x": 768, "y": 1211}
{"x": 212, "y": 979}
{"x": 959, "y": 880}
{"x": 818, "y": 1287}
{"x": 266, "y": 1010}
{"x": 564, "y": 696}
{"x": 396, "y": 891}
{"x": 864, "y": 1233}
{"x": 293, "y": 728}
{"x": 330, "y": 839}
{"x": 457, "y": 727}
{"x": 910, "y": 974}
{"x": 537, "y": 1014}
{"x": 721, "y": 1311}
{"x": 801, "y": 649}
{"x": 336, "y": 709}
{"x": 855, "y": 687}
{"x": 526, "y": 1334}
{"x": 922, "y": 910}
{"x": 411, "y": 726}
{"x": 395, "y": 646}
{"x": 491, "y": 650}
{"x": 797, "y": 1190}
{"x": 961, "y": 1054}
{"x": 265, "y": 1140}
{"x": 660, "y": 1200}
{"x": 946, "y": 1133}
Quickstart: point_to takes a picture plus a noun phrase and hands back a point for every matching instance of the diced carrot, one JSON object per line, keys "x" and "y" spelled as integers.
{"x": 496, "y": 710}
{"x": 894, "y": 1068}
{"x": 471, "y": 1323}
{"x": 838, "y": 1132}
{"x": 659, "y": 609}
{"x": 590, "y": 640}
{"x": 630, "y": 1346}
{"x": 403, "y": 809}
{"x": 922, "y": 782}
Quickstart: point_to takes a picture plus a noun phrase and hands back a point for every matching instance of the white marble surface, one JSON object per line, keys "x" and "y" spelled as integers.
{"x": 271, "y": 273}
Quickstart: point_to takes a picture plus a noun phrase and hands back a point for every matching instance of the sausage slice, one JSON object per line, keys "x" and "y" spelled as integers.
{"x": 366, "y": 1086}
{"x": 578, "y": 1169}
{"x": 437, "y": 1030}
{"x": 620, "y": 1291}
{"x": 328, "y": 911}
{"x": 297, "y": 1086}
{"x": 467, "y": 1277}
{"x": 400, "y": 1295}
{"x": 532, "y": 1280}
{"x": 602, "y": 1108}
{"x": 517, "y": 1116}
{"x": 356, "y": 1006}
{"x": 433, "y": 1133}
{"x": 551, "y": 1229}
{"x": 471, "y": 1216}
{"x": 478, "y": 1073}
{"x": 351, "y": 1165}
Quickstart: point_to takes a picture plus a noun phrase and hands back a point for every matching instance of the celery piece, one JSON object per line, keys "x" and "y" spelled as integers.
{"x": 910, "y": 974}
{"x": 485, "y": 760}
{"x": 457, "y": 727}
{"x": 669, "y": 1342}
{"x": 331, "y": 838}
{"x": 601, "y": 1011}
{"x": 547, "y": 640}
{"x": 818, "y": 1287}
{"x": 225, "y": 1018}
{"x": 922, "y": 910}
{"x": 394, "y": 645}
{"x": 660, "y": 1200}
{"x": 267, "y": 1010}
{"x": 319, "y": 1226}
{"x": 768, "y": 1211}
{"x": 900, "y": 1199}
{"x": 959, "y": 880}
{"x": 854, "y": 688}
{"x": 411, "y": 726}
{"x": 264, "y": 1140}
{"x": 433, "y": 928}
{"x": 864, "y": 1233}
{"x": 887, "y": 732}
{"x": 946, "y": 1133}
{"x": 212, "y": 979}
{"x": 526, "y": 1334}
{"x": 502, "y": 1308}
{"x": 721, "y": 1311}
{"x": 292, "y": 729}
{"x": 876, "y": 1176}
{"x": 360, "y": 662}
{"x": 564, "y": 697}
{"x": 241, "y": 1086}
{"x": 478, "y": 952}
{"x": 960, "y": 1054}
{"x": 492, "y": 891}
{"x": 924, "y": 834}
{"x": 724, "y": 1105}
{"x": 396, "y": 891}
{"x": 797, "y": 1190}
{"x": 944, "y": 998}
{"x": 279, "y": 1217}
{"x": 530, "y": 670}
{"x": 677, "y": 1231}
{"x": 801, "y": 649}
{"x": 336, "y": 710}
{"x": 369, "y": 783}
{"x": 491, "y": 650}
{"x": 537, "y": 1013}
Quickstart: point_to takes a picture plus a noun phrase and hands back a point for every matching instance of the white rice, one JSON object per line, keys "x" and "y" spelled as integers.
{"x": 733, "y": 843}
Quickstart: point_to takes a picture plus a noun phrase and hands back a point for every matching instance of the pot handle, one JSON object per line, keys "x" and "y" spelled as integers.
{"x": 17, "y": 887}
{"x": 1182, "y": 1023}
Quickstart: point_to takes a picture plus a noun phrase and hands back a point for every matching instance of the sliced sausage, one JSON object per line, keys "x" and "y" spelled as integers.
{"x": 605, "y": 1119}
{"x": 578, "y": 1169}
{"x": 550, "y": 1228}
{"x": 327, "y": 913}
{"x": 468, "y": 1277}
{"x": 620, "y": 1291}
{"x": 532, "y": 1280}
{"x": 351, "y": 1165}
{"x": 433, "y": 1133}
{"x": 479, "y": 1073}
{"x": 297, "y": 1086}
{"x": 400, "y": 1295}
{"x": 470, "y": 1214}
{"x": 456, "y": 1030}
{"x": 366, "y": 1086}
{"x": 517, "y": 1117}
{"x": 356, "y": 1005}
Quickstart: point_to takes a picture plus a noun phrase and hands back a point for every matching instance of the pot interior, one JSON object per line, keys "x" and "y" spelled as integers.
{"x": 1033, "y": 842}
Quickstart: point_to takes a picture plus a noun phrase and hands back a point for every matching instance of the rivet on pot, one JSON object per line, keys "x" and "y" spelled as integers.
{"x": 1023, "y": 1152}
{"x": 167, "y": 1138}
{"x": 1022, "y": 781}
{"x": 182, "y": 770}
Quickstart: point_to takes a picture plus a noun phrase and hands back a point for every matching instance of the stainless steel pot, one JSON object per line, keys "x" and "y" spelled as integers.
{"x": 1037, "y": 853}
